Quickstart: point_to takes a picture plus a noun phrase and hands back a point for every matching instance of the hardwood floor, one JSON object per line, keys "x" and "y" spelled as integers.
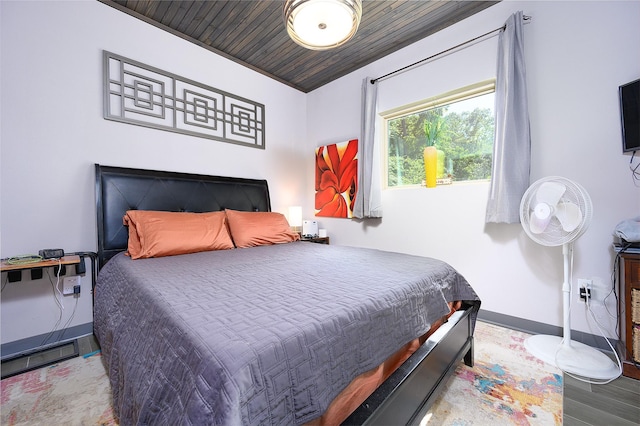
{"x": 616, "y": 403}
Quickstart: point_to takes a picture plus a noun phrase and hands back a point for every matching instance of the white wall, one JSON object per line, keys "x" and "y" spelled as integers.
{"x": 577, "y": 54}
{"x": 52, "y": 132}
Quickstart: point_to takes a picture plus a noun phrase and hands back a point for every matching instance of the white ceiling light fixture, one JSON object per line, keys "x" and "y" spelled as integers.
{"x": 322, "y": 24}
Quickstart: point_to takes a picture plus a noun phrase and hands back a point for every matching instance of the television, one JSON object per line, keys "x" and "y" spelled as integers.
{"x": 630, "y": 115}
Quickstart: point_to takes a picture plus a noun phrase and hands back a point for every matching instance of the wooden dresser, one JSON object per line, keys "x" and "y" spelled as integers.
{"x": 629, "y": 312}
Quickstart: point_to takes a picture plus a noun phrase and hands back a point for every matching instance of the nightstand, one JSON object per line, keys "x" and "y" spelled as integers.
{"x": 317, "y": 240}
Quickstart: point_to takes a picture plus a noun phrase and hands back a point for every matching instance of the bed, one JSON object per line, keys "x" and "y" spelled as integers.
{"x": 285, "y": 333}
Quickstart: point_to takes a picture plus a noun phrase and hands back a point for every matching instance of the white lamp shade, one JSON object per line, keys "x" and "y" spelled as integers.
{"x": 295, "y": 216}
{"x": 322, "y": 24}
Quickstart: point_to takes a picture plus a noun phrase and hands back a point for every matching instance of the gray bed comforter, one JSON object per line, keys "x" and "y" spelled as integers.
{"x": 264, "y": 335}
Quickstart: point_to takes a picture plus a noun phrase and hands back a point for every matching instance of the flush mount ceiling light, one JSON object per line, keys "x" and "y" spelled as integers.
{"x": 322, "y": 24}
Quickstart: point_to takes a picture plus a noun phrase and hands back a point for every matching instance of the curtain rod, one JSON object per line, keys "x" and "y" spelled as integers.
{"x": 502, "y": 28}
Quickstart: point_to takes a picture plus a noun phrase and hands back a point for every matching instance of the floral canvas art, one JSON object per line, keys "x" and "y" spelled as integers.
{"x": 336, "y": 179}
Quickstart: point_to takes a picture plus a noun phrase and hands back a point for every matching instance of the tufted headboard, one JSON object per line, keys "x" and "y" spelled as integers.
{"x": 120, "y": 189}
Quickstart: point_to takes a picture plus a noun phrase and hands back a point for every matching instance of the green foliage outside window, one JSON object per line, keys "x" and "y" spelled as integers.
{"x": 464, "y": 135}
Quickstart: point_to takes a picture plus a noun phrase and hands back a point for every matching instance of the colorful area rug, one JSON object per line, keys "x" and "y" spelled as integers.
{"x": 507, "y": 386}
{"x": 73, "y": 392}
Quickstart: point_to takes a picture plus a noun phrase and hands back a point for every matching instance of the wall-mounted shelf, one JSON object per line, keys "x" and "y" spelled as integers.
{"x": 15, "y": 270}
{"x": 66, "y": 260}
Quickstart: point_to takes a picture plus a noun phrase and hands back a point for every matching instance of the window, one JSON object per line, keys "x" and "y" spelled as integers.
{"x": 460, "y": 124}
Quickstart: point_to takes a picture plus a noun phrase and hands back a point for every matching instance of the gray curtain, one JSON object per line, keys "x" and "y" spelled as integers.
{"x": 512, "y": 144}
{"x": 368, "y": 202}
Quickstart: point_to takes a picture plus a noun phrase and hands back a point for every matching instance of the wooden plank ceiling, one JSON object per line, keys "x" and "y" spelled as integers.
{"x": 253, "y": 34}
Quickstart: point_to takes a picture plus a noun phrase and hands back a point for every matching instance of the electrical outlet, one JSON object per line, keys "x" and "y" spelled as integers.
{"x": 585, "y": 294}
{"x": 585, "y": 287}
{"x": 68, "y": 283}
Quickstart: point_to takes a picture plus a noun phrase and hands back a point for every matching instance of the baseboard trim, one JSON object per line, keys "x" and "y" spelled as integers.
{"x": 534, "y": 327}
{"x": 34, "y": 344}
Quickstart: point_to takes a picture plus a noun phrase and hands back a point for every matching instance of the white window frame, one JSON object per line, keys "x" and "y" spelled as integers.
{"x": 467, "y": 92}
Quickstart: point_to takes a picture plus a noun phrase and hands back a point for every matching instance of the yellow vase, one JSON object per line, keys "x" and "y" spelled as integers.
{"x": 430, "y": 165}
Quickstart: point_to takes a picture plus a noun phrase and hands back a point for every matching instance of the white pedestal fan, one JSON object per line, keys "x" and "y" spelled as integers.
{"x": 555, "y": 211}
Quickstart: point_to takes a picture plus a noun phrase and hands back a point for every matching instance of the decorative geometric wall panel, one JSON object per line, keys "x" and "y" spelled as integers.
{"x": 139, "y": 94}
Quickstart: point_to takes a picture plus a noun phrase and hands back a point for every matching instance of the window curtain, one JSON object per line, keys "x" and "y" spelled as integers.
{"x": 368, "y": 202}
{"x": 512, "y": 144}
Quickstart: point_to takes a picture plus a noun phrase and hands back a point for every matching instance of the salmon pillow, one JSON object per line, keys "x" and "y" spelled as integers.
{"x": 250, "y": 229}
{"x": 157, "y": 233}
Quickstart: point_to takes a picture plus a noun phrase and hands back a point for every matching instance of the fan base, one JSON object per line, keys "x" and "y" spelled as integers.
{"x": 572, "y": 357}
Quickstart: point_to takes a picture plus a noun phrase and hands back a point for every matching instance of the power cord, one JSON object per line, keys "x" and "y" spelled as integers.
{"x": 57, "y": 295}
{"x": 60, "y": 295}
{"x": 602, "y": 333}
{"x": 93, "y": 256}
{"x": 614, "y": 280}
{"x": 66, "y": 324}
{"x": 635, "y": 174}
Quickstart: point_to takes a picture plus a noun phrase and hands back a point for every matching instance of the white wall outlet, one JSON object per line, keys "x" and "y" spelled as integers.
{"x": 586, "y": 284}
{"x": 68, "y": 283}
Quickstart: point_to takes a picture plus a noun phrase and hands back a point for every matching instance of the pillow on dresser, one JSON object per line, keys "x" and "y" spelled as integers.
{"x": 250, "y": 229}
{"x": 158, "y": 233}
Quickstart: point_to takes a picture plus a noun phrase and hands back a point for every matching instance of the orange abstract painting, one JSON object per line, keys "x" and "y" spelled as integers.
{"x": 336, "y": 179}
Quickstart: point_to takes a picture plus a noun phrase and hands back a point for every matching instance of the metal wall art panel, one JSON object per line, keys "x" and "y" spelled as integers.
{"x": 139, "y": 94}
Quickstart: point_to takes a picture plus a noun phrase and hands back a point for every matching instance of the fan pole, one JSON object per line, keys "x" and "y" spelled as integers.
{"x": 567, "y": 248}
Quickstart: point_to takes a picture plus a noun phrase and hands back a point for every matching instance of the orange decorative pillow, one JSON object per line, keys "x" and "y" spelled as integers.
{"x": 157, "y": 233}
{"x": 249, "y": 229}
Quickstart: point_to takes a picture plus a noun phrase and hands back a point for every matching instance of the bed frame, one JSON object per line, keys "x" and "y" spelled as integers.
{"x": 404, "y": 398}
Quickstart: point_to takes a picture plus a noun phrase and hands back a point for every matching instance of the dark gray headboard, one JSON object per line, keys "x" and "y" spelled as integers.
{"x": 120, "y": 189}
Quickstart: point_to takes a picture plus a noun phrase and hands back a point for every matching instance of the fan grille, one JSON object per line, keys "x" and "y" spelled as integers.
{"x": 554, "y": 234}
